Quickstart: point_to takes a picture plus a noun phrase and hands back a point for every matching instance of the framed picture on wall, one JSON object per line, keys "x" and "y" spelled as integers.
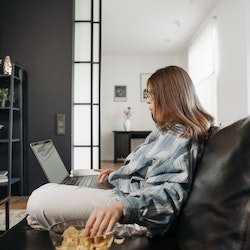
{"x": 144, "y": 78}
{"x": 120, "y": 93}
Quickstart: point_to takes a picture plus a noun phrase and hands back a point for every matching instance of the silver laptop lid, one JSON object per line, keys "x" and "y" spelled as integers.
{"x": 50, "y": 161}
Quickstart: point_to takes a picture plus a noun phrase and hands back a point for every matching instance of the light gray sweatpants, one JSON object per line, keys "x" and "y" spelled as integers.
{"x": 52, "y": 203}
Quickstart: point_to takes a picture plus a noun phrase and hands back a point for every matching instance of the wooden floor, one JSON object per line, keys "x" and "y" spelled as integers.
{"x": 19, "y": 202}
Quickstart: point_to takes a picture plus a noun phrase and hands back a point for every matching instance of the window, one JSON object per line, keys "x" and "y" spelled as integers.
{"x": 202, "y": 64}
{"x": 86, "y": 85}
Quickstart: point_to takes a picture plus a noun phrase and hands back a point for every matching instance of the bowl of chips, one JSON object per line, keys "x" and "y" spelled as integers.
{"x": 69, "y": 235}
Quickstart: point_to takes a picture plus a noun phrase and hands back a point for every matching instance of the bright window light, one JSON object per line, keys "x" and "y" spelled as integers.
{"x": 202, "y": 67}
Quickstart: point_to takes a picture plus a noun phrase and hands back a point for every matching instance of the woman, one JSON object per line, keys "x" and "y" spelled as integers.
{"x": 152, "y": 185}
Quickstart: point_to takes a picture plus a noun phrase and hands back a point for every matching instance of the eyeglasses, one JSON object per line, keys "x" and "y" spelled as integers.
{"x": 149, "y": 94}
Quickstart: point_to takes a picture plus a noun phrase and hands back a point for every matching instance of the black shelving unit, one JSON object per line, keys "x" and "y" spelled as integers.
{"x": 122, "y": 143}
{"x": 11, "y": 137}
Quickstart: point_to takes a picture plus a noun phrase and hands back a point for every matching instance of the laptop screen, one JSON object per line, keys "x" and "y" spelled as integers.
{"x": 50, "y": 161}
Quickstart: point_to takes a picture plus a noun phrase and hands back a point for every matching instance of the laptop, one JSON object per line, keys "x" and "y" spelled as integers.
{"x": 56, "y": 172}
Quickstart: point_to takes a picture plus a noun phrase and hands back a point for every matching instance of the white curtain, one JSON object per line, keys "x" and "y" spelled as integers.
{"x": 202, "y": 65}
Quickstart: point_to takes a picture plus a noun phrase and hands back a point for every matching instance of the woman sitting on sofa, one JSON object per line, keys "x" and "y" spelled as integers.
{"x": 154, "y": 182}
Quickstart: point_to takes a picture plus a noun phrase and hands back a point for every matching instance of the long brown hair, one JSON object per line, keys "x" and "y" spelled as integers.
{"x": 176, "y": 102}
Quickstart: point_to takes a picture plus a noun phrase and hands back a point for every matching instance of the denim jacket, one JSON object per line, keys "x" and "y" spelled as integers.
{"x": 155, "y": 180}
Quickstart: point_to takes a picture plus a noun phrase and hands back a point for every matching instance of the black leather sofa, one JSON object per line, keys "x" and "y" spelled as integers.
{"x": 216, "y": 215}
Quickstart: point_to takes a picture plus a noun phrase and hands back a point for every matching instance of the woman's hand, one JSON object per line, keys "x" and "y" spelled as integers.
{"x": 103, "y": 219}
{"x": 104, "y": 173}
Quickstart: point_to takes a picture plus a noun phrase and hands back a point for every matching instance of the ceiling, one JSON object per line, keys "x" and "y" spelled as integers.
{"x": 150, "y": 27}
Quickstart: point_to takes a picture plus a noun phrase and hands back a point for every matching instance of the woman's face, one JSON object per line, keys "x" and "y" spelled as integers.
{"x": 150, "y": 101}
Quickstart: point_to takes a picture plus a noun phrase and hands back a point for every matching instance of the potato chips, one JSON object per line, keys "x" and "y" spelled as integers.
{"x": 74, "y": 239}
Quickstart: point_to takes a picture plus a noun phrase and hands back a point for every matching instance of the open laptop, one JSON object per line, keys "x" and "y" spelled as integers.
{"x": 55, "y": 170}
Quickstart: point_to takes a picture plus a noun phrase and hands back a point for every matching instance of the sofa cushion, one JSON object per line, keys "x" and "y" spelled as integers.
{"x": 217, "y": 212}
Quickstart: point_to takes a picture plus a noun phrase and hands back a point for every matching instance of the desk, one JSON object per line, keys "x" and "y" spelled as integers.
{"x": 122, "y": 143}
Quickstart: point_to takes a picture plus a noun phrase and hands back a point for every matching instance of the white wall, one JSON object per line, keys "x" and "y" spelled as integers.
{"x": 248, "y": 52}
{"x": 233, "y": 24}
{"x": 126, "y": 70}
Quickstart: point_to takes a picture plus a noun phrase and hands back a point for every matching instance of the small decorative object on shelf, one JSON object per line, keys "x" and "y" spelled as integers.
{"x": 2, "y": 134}
{"x": 4, "y": 96}
{"x": 127, "y": 123}
{"x": 1, "y": 66}
{"x": 7, "y": 66}
{"x": 3, "y": 176}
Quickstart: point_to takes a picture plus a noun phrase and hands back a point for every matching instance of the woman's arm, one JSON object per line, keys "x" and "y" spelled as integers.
{"x": 150, "y": 189}
{"x": 154, "y": 199}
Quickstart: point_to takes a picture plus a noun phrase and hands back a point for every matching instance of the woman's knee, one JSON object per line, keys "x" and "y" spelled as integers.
{"x": 40, "y": 198}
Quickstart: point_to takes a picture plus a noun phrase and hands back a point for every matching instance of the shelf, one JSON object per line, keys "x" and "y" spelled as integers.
{"x": 12, "y": 181}
{"x": 7, "y": 140}
{"x": 8, "y": 77}
{"x": 12, "y": 119}
{"x": 122, "y": 142}
{"x": 4, "y": 200}
{"x": 8, "y": 108}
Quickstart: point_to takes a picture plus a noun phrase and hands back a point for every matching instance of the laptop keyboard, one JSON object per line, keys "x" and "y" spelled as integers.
{"x": 85, "y": 181}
